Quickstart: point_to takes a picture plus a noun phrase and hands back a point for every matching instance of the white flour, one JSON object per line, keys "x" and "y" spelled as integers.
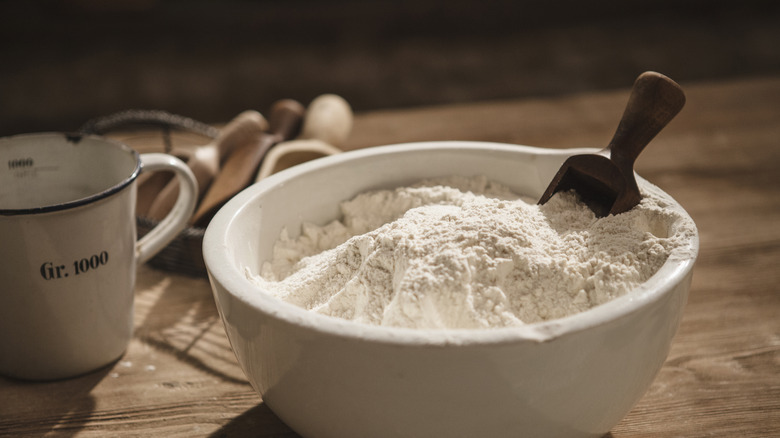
{"x": 467, "y": 253}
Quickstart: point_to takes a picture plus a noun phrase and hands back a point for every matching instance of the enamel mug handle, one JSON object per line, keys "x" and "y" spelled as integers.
{"x": 170, "y": 226}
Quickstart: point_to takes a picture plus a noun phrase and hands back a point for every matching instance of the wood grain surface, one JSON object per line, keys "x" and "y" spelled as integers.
{"x": 719, "y": 158}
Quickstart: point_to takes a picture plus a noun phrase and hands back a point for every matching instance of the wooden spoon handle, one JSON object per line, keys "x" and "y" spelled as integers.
{"x": 655, "y": 100}
{"x": 286, "y": 118}
{"x": 244, "y": 128}
{"x": 328, "y": 118}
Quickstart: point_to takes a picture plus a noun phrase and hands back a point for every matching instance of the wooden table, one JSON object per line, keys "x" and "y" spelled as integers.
{"x": 719, "y": 159}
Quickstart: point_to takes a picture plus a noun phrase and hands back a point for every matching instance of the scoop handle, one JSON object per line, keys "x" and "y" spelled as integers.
{"x": 241, "y": 165}
{"x": 655, "y": 100}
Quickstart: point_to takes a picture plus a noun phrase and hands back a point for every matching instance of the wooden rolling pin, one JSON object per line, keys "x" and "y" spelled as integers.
{"x": 240, "y": 167}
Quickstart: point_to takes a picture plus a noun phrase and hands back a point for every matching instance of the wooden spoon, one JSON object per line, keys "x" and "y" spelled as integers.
{"x": 241, "y": 165}
{"x": 326, "y": 126}
{"x": 205, "y": 161}
{"x": 605, "y": 180}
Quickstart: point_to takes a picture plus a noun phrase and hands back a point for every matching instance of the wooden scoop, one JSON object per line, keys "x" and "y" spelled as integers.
{"x": 240, "y": 167}
{"x": 605, "y": 180}
{"x": 291, "y": 153}
{"x": 326, "y": 126}
{"x": 328, "y": 118}
{"x": 149, "y": 186}
{"x": 206, "y": 160}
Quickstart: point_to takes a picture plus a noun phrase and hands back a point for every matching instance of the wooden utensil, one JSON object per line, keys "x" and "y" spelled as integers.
{"x": 291, "y": 153}
{"x": 149, "y": 187}
{"x": 605, "y": 180}
{"x": 241, "y": 165}
{"x": 328, "y": 118}
{"x": 326, "y": 126}
{"x": 205, "y": 161}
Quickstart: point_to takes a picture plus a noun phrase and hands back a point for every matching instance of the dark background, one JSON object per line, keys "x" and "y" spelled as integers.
{"x": 64, "y": 62}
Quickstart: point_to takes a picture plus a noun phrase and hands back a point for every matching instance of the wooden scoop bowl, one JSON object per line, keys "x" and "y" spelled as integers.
{"x": 605, "y": 180}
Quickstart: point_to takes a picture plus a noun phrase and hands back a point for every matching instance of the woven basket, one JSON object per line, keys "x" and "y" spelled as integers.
{"x": 183, "y": 255}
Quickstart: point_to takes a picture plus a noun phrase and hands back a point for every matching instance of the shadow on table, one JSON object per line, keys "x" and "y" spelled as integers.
{"x": 62, "y": 407}
{"x": 178, "y": 316}
{"x": 259, "y": 422}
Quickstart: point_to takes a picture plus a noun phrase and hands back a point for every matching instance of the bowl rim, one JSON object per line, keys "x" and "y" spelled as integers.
{"x": 222, "y": 270}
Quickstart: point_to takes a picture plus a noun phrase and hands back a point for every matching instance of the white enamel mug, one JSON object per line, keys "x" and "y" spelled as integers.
{"x": 68, "y": 249}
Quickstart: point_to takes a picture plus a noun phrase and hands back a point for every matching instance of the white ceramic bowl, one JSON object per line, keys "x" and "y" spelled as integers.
{"x": 326, "y": 377}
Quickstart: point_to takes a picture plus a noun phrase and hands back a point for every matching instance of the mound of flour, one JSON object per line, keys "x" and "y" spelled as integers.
{"x": 467, "y": 253}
